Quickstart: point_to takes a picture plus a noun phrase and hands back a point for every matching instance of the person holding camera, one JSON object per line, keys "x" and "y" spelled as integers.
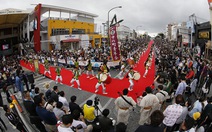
{"x": 89, "y": 112}
{"x": 105, "y": 123}
{"x": 79, "y": 122}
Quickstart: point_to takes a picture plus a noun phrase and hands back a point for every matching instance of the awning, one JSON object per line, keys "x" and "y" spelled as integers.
{"x": 70, "y": 40}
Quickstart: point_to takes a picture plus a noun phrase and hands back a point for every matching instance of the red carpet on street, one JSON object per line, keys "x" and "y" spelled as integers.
{"x": 115, "y": 86}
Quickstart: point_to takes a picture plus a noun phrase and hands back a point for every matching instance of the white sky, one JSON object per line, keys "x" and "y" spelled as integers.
{"x": 152, "y": 15}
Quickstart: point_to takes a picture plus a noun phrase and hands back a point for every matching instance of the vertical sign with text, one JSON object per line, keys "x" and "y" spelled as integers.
{"x": 36, "y": 27}
{"x": 115, "y": 53}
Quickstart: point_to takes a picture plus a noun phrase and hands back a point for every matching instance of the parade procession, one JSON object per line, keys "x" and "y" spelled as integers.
{"x": 106, "y": 66}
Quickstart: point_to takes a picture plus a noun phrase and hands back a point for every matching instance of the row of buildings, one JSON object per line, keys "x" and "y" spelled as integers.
{"x": 39, "y": 28}
{"x": 191, "y": 34}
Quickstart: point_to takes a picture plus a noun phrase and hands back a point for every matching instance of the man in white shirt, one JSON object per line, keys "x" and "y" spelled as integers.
{"x": 63, "y": 99}
{"x": 162, "y": 95}
{"x": 181, "y": 87}
{"x": 172, "y": 113}
{"x": 66, "y": 124}
{"x": 79, "y": 123}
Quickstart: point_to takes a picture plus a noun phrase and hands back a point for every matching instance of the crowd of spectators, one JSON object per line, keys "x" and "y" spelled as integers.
{"x": 178, "y": 100}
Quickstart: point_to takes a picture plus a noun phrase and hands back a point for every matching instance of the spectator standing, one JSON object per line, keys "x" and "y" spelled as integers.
{"x": 182, "y": 86}
{"x": 156, "y": 119}
{"x": 73, "y": 106}
{"x": 25, "y": 79}
{"x": 31, "y": 109}
{"x": 18, "y": 82}
{"x": 66, "y": 124}
{"x": 105, "y": 123}
{"x": 48, "y": 117}
{"x": 59, "y": 111}
{"x": 54, "y": 94}
{"x": 13, "y": 118}
{"x": 172, "y": 113}
{"x": 161, "y": 95}
{"x": 63, "y": 99}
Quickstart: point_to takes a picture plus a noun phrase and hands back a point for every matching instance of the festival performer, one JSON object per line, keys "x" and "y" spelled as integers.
{"x": 100, "y": 83}
{"x": 89, "y": 68}
{"x": 30, "y": 62}
{"x": 147, "y": 65}
{"x": 58, "y": 70}
{"x": 121, "y": 73}
{"x": 76, "y": 77}
{"x": 130, "y": 77}
{"x": 123, "y": 104}
{"x": 76, "y": 63}
{"x": 46, "y": 65}
{"x": 105, "y": 68}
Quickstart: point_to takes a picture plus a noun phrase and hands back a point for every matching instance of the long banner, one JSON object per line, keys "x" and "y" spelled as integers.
{"x": 115, "y": 53}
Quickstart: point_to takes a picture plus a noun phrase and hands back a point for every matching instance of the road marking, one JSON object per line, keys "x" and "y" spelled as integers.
{"x": 108, "y": 102}
{"x": 90, "y": 98}
{"x": 42, "y": 83}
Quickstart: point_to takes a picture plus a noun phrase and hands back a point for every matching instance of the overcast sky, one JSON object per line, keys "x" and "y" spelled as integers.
{"x": 152, "y": 15}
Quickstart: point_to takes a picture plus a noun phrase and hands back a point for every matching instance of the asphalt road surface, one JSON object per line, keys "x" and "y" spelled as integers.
{"x": 83, "y": 96}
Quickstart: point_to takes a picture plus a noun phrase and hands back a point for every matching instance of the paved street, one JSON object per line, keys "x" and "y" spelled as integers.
{"x": 83, "y": 96}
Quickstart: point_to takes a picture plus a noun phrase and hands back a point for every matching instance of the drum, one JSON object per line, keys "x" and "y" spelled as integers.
{"x": 136, "y": 76}
{"x": 106, "y": 79}
{"x": 131, "y": 62}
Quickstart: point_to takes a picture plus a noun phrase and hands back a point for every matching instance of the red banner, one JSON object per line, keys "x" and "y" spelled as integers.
{"x": 36, "y": 27}
{"x": 115, "y": 53}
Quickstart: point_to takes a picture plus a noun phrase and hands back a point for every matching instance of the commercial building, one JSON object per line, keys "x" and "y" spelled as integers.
{"x": 40, "y": 29}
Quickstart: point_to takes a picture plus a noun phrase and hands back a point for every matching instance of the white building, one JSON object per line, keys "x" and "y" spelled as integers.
{"x": 124, "y": 32}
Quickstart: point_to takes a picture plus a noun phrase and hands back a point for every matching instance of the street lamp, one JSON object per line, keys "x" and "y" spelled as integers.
{"x": 108, "y": 24}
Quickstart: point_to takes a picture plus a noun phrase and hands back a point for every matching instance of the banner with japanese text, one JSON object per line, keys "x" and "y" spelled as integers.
{"x": 115, "y": 53}
{"x": 36, "y": 27}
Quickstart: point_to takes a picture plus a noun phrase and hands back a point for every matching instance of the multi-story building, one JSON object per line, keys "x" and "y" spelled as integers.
{"x": 168, "y": 31}
{"x": 124, "y": 33}
{"x": 76, "y": 29}
{"x": 12, "y": 29}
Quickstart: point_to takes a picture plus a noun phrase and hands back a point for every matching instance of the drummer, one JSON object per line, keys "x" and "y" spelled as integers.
{"x": 147, "y": 67}
{"x": 89, "y": 68}
{"x": 99, "y": 76}
{"x": 58, "y": 73}
{"x": 121, "y": 73}
{"x": 105, "y": 68}
{"x": 130, "y": 77}
{"x": 46, "y": 65}
{"x": 76, "y": 78}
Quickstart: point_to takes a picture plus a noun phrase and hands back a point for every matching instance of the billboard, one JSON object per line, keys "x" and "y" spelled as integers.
{"x": 5, "y": 46}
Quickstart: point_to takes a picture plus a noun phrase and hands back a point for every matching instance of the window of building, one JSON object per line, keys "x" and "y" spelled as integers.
{"x": 60, "y": 31}
{"x": 78, "y": 31}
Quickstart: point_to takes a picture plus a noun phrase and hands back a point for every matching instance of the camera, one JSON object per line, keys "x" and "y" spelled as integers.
{"x": 96, "y": 101}
{"x": 77, "y": 127}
